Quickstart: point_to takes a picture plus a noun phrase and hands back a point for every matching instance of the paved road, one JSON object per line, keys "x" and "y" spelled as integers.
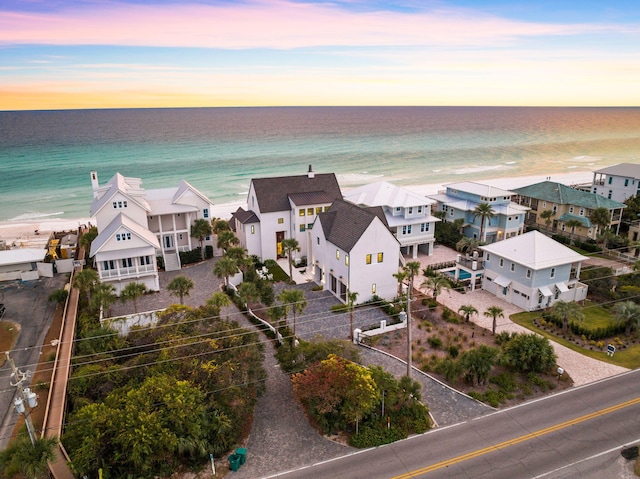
{"x": 558, "y": 436}
{"x": 27, "y": 305}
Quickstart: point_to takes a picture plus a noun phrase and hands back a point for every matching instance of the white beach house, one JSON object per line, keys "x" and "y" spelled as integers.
{"x": 136, "y": 225}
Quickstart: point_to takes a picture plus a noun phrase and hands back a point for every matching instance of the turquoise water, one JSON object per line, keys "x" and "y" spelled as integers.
{"x": 46, "y": 156}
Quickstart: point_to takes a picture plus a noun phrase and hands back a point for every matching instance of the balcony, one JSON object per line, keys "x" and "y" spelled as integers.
{"x": 142, "y": 270}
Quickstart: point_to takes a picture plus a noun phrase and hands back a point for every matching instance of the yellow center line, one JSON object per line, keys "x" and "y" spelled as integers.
{"x": 517, "y": 440}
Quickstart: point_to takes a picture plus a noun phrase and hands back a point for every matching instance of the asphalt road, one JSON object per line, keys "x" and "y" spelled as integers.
{"x": 27, "y": 305}
{"x": 575, "y": 434}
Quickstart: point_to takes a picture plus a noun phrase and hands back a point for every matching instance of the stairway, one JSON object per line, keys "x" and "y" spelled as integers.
{"x": 171, "y": 261}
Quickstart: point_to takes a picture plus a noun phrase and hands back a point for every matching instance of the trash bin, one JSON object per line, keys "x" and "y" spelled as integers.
{"x": 242, "y": 452}
{"x": 234, "y": 462}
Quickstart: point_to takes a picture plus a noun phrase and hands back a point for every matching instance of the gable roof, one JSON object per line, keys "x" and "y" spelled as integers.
{"x": 122, "y": 221}
{"x": 565, "y": 195}
{"x": 244, "y": 216}
{"x": 384, "y": 193}
{"x": 534, "y": 250}
{"x": 131, "y": 187}
{"x": 629, "y": 170}
{"x": 272, "y": 194}
{"x": 345, "y": 223}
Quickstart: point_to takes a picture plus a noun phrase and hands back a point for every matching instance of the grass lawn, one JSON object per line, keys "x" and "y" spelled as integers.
{"x": 595, "y": 317}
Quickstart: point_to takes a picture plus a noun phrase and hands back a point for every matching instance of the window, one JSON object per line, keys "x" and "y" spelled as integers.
{"x": 406, "y": 230}
{"x": 451, "y": 212}
{"x": 488, "y": 257}
{"x": 398, "y": 209}
{"x": 544, "y": 204}
{"x": 528, "y": 273}
{"x": 309, "y": 211}
{"x": 424, "y": 227}
{"x": 205, "y": 213}
{"x": 410, "y": 209}
{"x": 368, "y": 259}
{"x": 610, "y": 179}
{"x": 309, "y": 226}
{"x": 373, "y": 288}
{"x": 553, "y": 273}
{"x": 609, "y": 194}
{"x": 501, "y": 262}
{"x": 107, "y": 265}
{"x": 207, "y": 238}
{"x": 326, "y": 208}
{"x": 127, "y": 263}
{"x": 280, "y": 221}
{"x": 180, "y": 236}
{"x": 317, "y": 239}
{"x": 318, "y": 210}
{"x": 346, "y": 260}
{"x": 512, "y": 267}
{"x": 419, "y": 209}
{"x": 555, "y": 209}
{"x": 301, "y": 212}
{"x": 253, "y": 229}
{"x": 581, "y": 211}
{"x": 380, "y": 257}
{"x": 571, "y": 209}
{"x": 145, "y": 260}
{"x": 302, "y": 229}
{"x": 337, "y": 254}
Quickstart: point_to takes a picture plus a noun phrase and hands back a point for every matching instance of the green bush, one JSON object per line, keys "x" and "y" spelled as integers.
{"x": 506, "y": 381}
{"x": 435, "y": 342}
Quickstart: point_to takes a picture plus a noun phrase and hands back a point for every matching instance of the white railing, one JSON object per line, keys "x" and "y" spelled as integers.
{"x": 127, "y": 272}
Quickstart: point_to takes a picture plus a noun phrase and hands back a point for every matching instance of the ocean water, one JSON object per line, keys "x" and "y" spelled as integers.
{"x": 46, "y": 156}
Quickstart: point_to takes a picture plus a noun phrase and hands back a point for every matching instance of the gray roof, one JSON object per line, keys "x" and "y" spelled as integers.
{"x": 310, "y": 198}
{"x": 627, "y": 170}
{"x": 244, "y": 216}
{"x": 273, "y": 194}
{"x": 345, "y": 223}
{"x": 565, "y": 195}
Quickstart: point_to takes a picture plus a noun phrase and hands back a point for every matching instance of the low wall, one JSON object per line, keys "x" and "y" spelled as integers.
{"x": 123, "y": 324}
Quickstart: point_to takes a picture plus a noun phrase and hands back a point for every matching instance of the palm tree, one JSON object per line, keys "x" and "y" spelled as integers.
{"x": 467, "y": 310}
{"x": 289, "y": 245}
{"x": 601, "y": 218}
{"x": 86, "y": 239}
{"x": 180, "y": 286}
{"x": 573, "y": 224}
{"x": 104, "y": 295}
{"x": 436, "y": 284}
{"x": 200, "y": 229}
{"x": 567, "y": 310}
{"x": 217, "y": 301}
{"x": 132, "y": 292}
{"x": 226, "y": 238}
{"x": 30, "y": 460}
{"x": 411, "y": 269}
{"x": 546, "y": 216}
{"x": 467, "y": 245}
{"x": 86, "y": 280}
{"x": 351, "y": 297}
{"x": 484, "y": 211}
{"x": 627, "y": 313}
{"x": 224, "y": 268}
{"x": 494, "y": 312}
{"x": 295, "y": 302}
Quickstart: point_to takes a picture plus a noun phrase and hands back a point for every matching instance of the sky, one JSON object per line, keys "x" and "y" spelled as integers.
{"x": 208, "y": 53}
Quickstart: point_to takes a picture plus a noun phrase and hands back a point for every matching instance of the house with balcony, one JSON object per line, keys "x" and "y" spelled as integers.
{"x": 617, "y": 182}
{"x": 408, "y": 214}
{"x": 354, "y": 250}
{"x": 568, "y": 207}
{"x": 136, "y": 226}
{"x": 459, "y": 201}
{"x": 532, "y": 271}
{"x": 283, "y": 207}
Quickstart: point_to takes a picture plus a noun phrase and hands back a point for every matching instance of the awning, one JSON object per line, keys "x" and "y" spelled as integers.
{"x": 562, "y": 287}
{"x": 546, "y": 292}
{"x": 502, "y": 281}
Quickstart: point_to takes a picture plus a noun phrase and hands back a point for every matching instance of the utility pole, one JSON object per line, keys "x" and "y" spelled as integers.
{"x": 25, "y": 396}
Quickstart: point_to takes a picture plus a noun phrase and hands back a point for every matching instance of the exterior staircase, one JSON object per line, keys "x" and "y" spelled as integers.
{"x": 172, "y": 262}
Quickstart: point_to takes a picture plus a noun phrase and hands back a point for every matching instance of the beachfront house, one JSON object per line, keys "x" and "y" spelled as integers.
{"x": 280, "y": 208}
{"x": 532, "y": 271}
{"x": 408, "y": 214}
{"x": 568, "y": 209}
{"x": 136, "y": 225}
{"x": 460, "y": 200}
{"x": 353, "y": 250}
{"x": 617, "y": 182}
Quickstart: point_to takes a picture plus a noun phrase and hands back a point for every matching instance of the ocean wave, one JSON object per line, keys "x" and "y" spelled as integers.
{"x": 585, "y": 159}
{"x": 34, "y": 215}
{"x": 357, "y": 177}
{"x": 478, "y": 169}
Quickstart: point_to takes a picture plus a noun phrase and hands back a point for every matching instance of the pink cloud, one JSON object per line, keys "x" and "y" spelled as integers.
{"x": 265, "y": 24}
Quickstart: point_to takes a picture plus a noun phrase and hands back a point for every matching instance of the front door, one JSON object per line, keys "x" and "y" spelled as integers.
{"x": 168, "y": 241}
{"x": 279, "y": 238}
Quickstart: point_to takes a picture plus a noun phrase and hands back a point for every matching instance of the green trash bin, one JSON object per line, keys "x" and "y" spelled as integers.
{"x": 234, "y": 462}
{"x": 242, "y": 452}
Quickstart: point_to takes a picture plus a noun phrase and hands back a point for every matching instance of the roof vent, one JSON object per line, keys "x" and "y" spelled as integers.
{"x": 310, "y": 173}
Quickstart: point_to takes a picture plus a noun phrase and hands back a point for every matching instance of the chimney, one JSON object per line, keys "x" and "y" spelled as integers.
{"x": 94, "y": 182}
{"x": 310, "y": 173}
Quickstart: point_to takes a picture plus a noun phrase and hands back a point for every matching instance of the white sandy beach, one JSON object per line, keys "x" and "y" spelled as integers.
{"x": 23, "y": 233}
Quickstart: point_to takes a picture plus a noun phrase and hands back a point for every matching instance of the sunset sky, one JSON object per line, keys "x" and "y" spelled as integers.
{"x": 171, "y": 53}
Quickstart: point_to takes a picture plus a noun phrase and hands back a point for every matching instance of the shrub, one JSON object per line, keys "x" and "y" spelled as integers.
{"x": 506, "y": 381}
{"x": 435, "y": 342}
